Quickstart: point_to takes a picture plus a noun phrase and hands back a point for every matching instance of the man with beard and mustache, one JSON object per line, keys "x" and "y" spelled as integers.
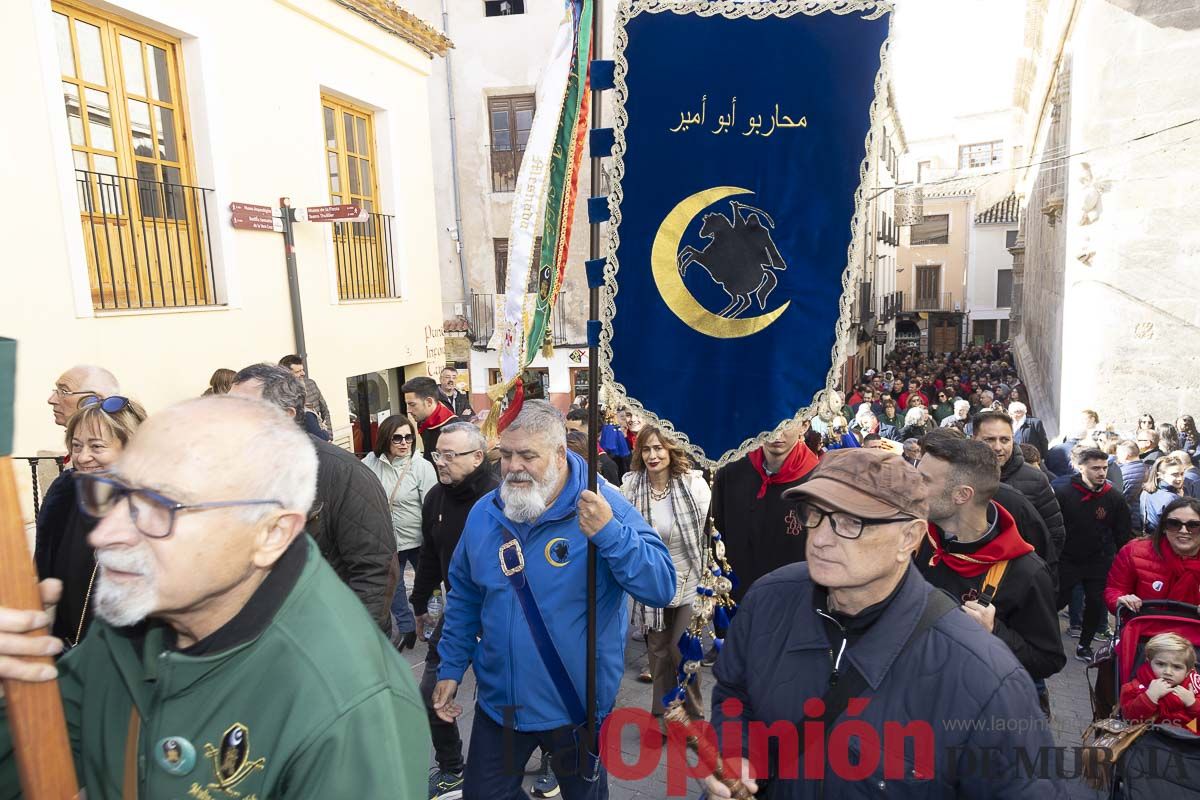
{"x": 517, "y": 609}
{"x": 220, "y": 627}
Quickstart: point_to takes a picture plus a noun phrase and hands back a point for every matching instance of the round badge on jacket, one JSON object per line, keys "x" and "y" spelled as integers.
{"x": 175, "y": 755}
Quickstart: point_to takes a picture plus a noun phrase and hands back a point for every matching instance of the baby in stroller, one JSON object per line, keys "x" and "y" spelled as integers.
{"x": 1166, "y": 685}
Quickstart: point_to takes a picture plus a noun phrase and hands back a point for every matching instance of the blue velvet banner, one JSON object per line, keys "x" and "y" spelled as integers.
{"x": 741, "y": 142}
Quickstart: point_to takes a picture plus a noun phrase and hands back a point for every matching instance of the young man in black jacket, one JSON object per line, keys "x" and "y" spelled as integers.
{"x": 464, "y": 477}
{"x": 1098, "y": 525}
{"x": 974, "y": 551}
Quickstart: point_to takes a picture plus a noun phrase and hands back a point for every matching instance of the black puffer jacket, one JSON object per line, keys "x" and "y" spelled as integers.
{"x": 353, "y": 528}
{"x": 1031, "y": 482}
{"x": 443, "y": 517}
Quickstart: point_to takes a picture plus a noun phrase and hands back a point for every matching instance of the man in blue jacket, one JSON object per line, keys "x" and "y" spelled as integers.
{"x": 855, "y": 637}
{"x": 520, "y": 567}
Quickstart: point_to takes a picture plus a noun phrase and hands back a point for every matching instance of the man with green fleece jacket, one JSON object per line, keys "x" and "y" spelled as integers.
{"x": 228, "y": 660}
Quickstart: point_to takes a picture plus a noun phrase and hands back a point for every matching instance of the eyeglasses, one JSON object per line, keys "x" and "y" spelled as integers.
{"x": 440, "y": 456}
{"x": 153, "y": 514}
{"x": 397, "y": 438}
{"x": 844, "y": 525}
{"x": 1173, "y": 525}
{"x": 109, "y": 405}
{"x": 61, "y": 392}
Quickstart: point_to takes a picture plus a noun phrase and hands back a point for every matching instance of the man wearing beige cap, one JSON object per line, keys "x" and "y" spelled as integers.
{"x": 856, "y": 626}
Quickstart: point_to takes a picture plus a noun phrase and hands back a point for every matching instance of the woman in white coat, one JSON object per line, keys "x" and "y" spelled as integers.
{"x": 406, "y": 477}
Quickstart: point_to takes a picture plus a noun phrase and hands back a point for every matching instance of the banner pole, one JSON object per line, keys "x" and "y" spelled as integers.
{"x": 593, "y": 390}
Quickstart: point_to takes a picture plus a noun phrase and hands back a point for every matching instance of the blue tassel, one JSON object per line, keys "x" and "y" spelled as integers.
{"x": 718, "y": 644}
{"x": 731, "y": 612}
{"x": 675, "y": 694}
{"x": 733, "y": 579}
{"x": 721, "y": 618}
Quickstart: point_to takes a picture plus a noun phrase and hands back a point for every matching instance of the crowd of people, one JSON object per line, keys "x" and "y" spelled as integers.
{"x": 919, "y": 525}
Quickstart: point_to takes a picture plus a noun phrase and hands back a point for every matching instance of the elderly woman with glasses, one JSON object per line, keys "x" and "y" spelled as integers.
{"x": 407, "y": 478}
{"x": 1162, "y": 566}
{"x": 96, "y": 434}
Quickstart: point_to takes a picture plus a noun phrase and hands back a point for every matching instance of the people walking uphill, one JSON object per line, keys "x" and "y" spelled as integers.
{"x": 856, "y": 629}
{"x": 406, "y": 478}
{"x": 1164, "y": 482}
{"x": 349, "y": 521}
{"x": 517, "y": 613}
{"x": 994, "y": 428}
{"x": 314, "y": 400}
{"x": 1097, "y": 524}
{"x": 464, "y": 476}
{"x": 974, "y": 551}
{"x": 674, "y": 499}
{"x": 421, "y": 400}
{"x": 225, "y": 651}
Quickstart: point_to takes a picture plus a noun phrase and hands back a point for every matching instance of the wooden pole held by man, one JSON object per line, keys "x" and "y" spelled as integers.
{"x": 34, "y": 710}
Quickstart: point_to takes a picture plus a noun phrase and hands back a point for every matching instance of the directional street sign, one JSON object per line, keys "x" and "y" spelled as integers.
{"x": 249, "y": 217}
{"x": 339, "y": 213}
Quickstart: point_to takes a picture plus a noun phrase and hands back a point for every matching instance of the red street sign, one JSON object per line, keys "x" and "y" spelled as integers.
{"x": 247, "y": 209}
{"x": 254, "y": 222}
{"x": 333, "y": 213}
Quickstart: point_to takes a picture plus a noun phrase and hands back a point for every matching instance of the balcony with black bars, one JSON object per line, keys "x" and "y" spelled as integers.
{"x": 148, "y": 242}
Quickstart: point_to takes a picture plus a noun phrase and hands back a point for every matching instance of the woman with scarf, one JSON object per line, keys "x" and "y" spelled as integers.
{"x": 1162, "y": 566}
{"x": 674, "y": 499}
{"x": 406, "y": 479}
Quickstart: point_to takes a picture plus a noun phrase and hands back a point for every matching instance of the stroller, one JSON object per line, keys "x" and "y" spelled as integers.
{"x": 1164, "y": 761}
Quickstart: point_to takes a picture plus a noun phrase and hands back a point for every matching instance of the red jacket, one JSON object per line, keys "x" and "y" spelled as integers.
{"x": 904, "y": 399}
{"x": 1137, "y": 706}
{"x": 1152, "y": 574}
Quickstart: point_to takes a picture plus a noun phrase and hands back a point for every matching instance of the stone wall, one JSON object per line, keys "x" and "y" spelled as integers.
{"x": 1111, "y": 302}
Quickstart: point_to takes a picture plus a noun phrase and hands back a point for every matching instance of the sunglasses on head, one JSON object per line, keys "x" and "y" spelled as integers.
{"x": 109, "y": 405}
{"x": 1172, "y": 525}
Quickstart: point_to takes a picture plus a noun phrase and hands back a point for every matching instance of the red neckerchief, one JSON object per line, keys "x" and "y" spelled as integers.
{"x": 1169, "y": 705}
{"x": 440, "y": 416}
{"x": 1087, "y": 493}
{"x": 799, "y": 463}
{"x": 1005, "y": 546}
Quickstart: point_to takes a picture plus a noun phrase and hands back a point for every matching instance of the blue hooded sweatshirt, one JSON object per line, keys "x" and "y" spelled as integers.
{"x": 508, "y": 670}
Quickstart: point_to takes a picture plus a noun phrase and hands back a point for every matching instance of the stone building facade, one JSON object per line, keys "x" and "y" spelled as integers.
{"x": 1109, "y": 303}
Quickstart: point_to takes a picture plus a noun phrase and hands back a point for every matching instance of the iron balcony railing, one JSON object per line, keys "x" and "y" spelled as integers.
{"x": 148, "y": 242}
{"x": 366, "y": 263}
{"x": 935, "y": 302}
{"x": 505, "y": 165}
{"x": 484, "y": 311}
{"x": 37, "y": 463}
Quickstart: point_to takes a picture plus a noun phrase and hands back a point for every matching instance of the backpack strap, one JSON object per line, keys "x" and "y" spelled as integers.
{"x": 991, "y": 582}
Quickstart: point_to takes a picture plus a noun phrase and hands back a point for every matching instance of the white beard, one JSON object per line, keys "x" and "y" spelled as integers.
{"x": 131, "y": 601}
{"x": 526, "y": 500}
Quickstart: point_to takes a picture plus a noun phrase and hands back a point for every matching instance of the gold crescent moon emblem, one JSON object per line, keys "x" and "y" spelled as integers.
{"x": 664, "y": 262}
{"x": 550, "y": 556}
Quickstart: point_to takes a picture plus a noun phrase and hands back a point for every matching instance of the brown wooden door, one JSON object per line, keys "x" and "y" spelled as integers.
{"x": 929, "y": 282}
{"x": 945, "y": 336}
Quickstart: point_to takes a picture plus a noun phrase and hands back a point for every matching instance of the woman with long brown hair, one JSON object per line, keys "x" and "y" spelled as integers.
{"x": 674, "y": 499}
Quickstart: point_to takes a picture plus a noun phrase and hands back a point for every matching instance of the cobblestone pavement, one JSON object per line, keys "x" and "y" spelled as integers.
{"x": 1069, "y": 700}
